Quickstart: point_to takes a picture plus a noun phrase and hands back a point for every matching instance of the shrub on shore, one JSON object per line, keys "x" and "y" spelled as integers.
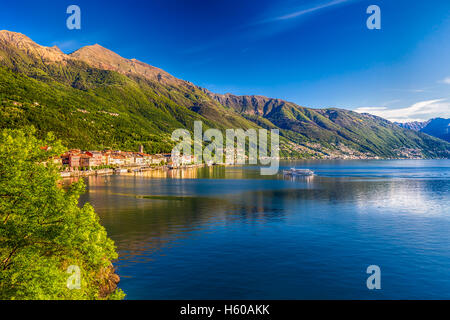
{"x": 43, "y": 230}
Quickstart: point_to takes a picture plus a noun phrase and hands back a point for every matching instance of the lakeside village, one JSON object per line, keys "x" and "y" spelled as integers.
{"x": 76, "y": 162}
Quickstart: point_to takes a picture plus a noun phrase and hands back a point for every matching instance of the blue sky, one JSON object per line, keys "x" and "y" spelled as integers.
{"x": 316, "y": 53}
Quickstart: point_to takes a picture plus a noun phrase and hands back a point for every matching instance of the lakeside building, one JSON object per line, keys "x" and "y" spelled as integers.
{"x": 96, "y": 158}
{"x": 158, "y": 159}
{"x": 71, "y": 158}
{"x": 76, "y": 159}
{"x": 117, "y": 159}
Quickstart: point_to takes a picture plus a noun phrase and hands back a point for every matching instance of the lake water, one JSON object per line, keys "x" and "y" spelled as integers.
{"x": 230, "y": 233}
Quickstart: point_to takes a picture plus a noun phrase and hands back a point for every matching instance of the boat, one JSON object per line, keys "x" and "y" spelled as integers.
{"x": 298, "y": 172}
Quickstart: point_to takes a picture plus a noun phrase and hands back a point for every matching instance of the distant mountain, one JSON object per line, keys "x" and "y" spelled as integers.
{"x": 437, "y": 127}
{"x": 94, "y": 99}
{"x": 414, "y": 125}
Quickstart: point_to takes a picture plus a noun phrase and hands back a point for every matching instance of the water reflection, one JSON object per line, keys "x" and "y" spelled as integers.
{"x": 208, "y": 220}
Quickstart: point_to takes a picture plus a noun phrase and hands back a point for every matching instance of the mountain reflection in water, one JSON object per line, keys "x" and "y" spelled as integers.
{"x": 217, "y": 232}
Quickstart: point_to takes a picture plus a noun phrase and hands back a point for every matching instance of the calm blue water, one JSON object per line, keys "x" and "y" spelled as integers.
{"x": 229, "y": 233}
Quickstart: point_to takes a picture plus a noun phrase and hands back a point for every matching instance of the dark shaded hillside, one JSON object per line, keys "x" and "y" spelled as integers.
{"x": 95, "y": 99}
{"x": 439, "y": 128}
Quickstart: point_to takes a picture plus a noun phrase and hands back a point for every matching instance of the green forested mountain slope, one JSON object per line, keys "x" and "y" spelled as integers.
{"x": 335, "y": 129}
{"x": 94, "y": 99}
{"x": 93, "y": 108}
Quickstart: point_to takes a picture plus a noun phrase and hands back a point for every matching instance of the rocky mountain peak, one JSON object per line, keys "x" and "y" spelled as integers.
{"x": 16, "y": 38}
{"x": 94, "y": 55}
{"x": 102, "y": 58}
{"x": 22, "y": 42}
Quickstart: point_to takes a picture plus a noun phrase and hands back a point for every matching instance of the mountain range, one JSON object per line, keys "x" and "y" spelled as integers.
{"x": 437, "y": 127}
{"x": 95, "y": 99}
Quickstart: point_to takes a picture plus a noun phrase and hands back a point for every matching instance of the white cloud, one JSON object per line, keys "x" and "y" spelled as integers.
{"x": 410, "y": 90}
{"x": 420, "y": 111}
{"x": 309, "y": 10}
{"x": 303, "y": 11}
{"x": 446, "y": 80}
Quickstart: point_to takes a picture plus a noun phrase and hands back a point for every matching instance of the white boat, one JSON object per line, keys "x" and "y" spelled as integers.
{"x": 298, "y": 172}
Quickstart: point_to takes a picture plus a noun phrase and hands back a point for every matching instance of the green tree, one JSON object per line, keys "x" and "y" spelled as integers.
{"x": 43, "y": 230}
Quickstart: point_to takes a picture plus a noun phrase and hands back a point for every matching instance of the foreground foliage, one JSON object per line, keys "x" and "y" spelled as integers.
{"x": 43, "y": 230}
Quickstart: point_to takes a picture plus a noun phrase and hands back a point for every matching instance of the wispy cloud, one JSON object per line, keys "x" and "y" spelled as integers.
{"x": 420, "y": 111}
{"x": 410, "y": 90}
{"x": 390, "y": 102}
{"x": 265, "y": 26}
{"x": 445, "y": 80}
{"x": 303, "y": 11}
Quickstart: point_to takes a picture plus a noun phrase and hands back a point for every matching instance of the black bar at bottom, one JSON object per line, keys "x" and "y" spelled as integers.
{"x": 226, "y": 309}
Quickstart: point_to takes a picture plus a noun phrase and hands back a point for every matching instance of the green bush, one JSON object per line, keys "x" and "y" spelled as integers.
{"x": 43, "y": 230}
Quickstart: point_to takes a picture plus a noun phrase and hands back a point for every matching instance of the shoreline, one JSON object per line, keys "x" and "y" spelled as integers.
{"x": 130, "y": 169}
